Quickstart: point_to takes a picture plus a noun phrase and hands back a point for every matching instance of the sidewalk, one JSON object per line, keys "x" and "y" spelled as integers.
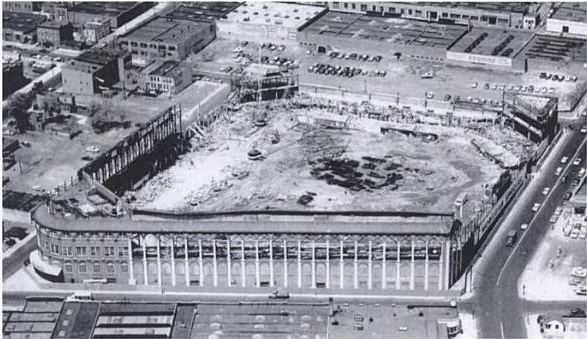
{"x": 547, "y": 275}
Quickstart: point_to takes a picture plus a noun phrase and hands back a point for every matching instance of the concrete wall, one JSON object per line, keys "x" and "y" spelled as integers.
{"x": 258, "y": 33}
{"x": 575, "y": 27}
{"x": 13, "y": 259}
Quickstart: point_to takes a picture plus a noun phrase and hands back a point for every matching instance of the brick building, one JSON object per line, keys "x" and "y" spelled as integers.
{"x": 54, "y": 33}
{"x": 167, "y": 77}
{"x": 94, "y": 71}
{"x": 167, "y": 39}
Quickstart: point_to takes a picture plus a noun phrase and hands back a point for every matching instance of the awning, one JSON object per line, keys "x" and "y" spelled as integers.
{"x": 42, "y": 266}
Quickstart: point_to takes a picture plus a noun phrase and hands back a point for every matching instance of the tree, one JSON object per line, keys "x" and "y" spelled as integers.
{"x": 17, "y": 108}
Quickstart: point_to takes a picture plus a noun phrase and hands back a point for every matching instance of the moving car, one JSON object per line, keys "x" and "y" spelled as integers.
{"x": 511, "y": 238}
{"x": 536, "y": 207}
{"x": 558, "y": 171}
{"x": 546, "y": 190}
{"x": 564, "y": 160}
{"x": 524, "y": 226}
{"x": 577, "y": 162}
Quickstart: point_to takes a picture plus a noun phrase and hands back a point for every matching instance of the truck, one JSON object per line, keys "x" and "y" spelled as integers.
{"x": 511, "y": 238}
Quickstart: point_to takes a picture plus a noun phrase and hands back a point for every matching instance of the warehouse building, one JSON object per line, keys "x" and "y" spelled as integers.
{"x": 490, "y": 47}
{"x": 167, "y": 39}
{"x": 202, "y": 11}
{"x": 263, "y": 21}
{"x": 168, "y": 77}
{"x": 311, "y": 250}
{"x": 20, "y": 27}
{"x": 353, "y": 32}
{"x": 53, "y": 33}
{"x": 94, "y": 71}
{"x": 518, "y": 15}
{"x": 569, "y": 17}
{"x": 119, "y": 13}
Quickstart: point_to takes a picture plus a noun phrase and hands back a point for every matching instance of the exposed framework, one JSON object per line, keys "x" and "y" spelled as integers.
{"x": 140, "y": 155}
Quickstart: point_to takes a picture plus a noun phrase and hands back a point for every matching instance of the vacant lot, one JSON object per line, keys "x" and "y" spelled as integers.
{"x": 305, "y": 165}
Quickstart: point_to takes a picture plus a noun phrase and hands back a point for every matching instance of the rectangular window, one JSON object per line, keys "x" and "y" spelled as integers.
{"x": 171, "y": 48}
{"x": 346, "y": 5}
{"x": 454, "y": 16}
{"x": 475, "y": 18}
{"x": 67, "y": 251}
{"x": 110, "y": 267}
{"x": 97, "y": 267}
{"x": 68, "y": 268}
{"x": 109, "y": 251}
{"x": 353, "y": 6}
{"x": 445, "y": 15}
{"x": 80, "y": 251}
{"x": 143, "y": 45}
{"x": 335, "y": 4}
{"x": 418, "y": 13}
{"x": 409, "y": 12}
{"x": 81, "y": 267}
{"x": 123, "y": 267}
{"x": 94, "y": 251}
{"x": 123, "y": 251}
{"x": 133, "y": 44}
{"x": 363, "y": 8}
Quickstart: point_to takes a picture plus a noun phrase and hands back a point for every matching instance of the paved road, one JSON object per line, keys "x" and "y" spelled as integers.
{"x": 500, "y": 313}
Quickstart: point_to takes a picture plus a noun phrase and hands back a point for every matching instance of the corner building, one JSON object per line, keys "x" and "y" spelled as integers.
{"x": 298, "y": 250}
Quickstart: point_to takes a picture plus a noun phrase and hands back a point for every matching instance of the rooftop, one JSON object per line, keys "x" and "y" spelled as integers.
{"x": 74, "y": 319}
{"x": 20, "y": 201}
{"x": 166, "y": 30}
{"x": 202, "y": 10}
{"x": 426, "y": 224}
{"x": 381, "y": 29}
{"x": 288, "y": 15}
{"x": 22, "y": 22}
{"x": 52, "y": 24}
{"x": 98, "y": 56}
{"x": 571, "y": 11}
{"x": 103, "y": 8}
{"x": 489, "y": 41}
{"x": 502, "y": 7}
{"x": 556, "y": 48}
{"x": 167, "y": 68}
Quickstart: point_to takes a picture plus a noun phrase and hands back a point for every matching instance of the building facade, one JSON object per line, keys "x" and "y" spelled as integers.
{"x": 167, "y": 77}
{"x": 568, "y": 18}
{"x": 94, "y": 71}
{"x": 514, "y": 15}
{"x": 167, "y": 39}
{"x": 119, "y": 13}
{"x": 253, "y": 251}
{"x": 21, "y": 6}
{"x": 53, "y": 33}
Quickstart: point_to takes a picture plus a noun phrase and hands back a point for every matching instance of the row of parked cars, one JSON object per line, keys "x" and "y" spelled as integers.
{"x": 345, "y": 71}
{"x": 272, "y": 47}
{"x": 356, "y": 56}
{"x": 279, "y": 61}
{"x": 515, "y": 88}
{"x": 556, "y": 77}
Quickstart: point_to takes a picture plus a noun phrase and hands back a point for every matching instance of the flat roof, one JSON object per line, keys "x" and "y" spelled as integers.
{"x": 571, "y": 11}
{"x": 103, "y": 8}
{"x": 399, "y": 225}
{"x": 163, "y": 29}
{"x": 99, "y": 56}
{"x": 556, "y": 48}
{"x": 492, "y": 39}
{"x": 383, "y": 29}
{"x": 289, "y": 15}
{"x": 20, "y": 201}
{"x": 202, "y": 10}
{"x": 502, "y": 7}
{"x": 22, "y": 22}
{"x": 76, "y": 320}
{"x": 167, "y": 68}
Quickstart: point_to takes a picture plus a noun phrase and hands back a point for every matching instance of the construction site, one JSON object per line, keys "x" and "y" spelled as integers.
{"x": 301, "y": 154}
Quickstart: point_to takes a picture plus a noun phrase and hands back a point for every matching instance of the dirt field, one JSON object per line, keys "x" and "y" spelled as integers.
{"x": 309, "y": 166}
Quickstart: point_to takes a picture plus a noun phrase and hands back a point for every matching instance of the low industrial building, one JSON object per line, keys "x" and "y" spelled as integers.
{"x": 168, "y": 77}
{"x": 167, "y": 39}
{"x": 119, "y": 13}
{"x": 94, "y": 71}
{"x": 199, "y": 11}
{"x": 568, "y": 17}
{"x": 517, "y": 15}
{"x": 20, "y": 27}
{"x": 547, "y": 53}
{"x": 352, "y": 32}
{"x": 490, "y": 47}
{"x": 263, "y": 21}
{"x": 52, "y": 34}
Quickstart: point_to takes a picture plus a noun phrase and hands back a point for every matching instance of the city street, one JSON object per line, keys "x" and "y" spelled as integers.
{"x": 498, "y": 309}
